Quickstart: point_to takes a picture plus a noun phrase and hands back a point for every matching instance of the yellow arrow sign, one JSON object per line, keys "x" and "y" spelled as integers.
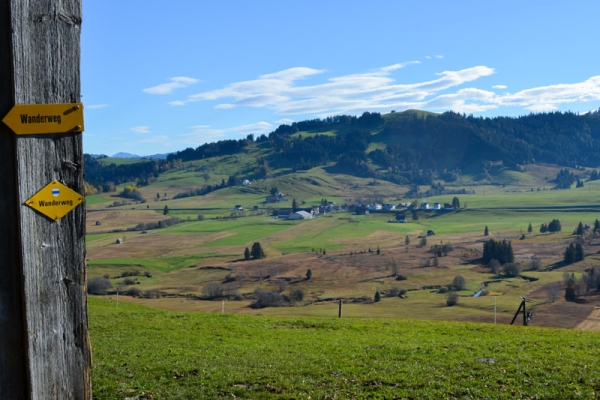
{"x": 37, "y": 119}
{"x": 55, "y": 200}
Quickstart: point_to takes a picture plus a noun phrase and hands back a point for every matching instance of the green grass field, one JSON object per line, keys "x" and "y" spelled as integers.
{"x": 139, "y": 351}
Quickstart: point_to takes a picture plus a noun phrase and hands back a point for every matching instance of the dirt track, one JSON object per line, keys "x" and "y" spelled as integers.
{"x": 592, "y": 322}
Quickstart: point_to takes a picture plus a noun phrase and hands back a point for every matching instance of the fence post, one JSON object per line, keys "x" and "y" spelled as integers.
{"x": 44, "y": 343}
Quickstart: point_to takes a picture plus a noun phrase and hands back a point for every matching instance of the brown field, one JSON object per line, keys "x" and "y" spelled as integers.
{"x": 355, "y": 275}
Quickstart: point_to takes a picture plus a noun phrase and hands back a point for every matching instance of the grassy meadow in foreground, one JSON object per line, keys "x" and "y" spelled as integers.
{"x": 141, "y": 351}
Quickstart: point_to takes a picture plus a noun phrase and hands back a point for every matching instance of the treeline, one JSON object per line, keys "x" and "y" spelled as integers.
{"x": 165, "y": 223}
{"x": 220, "y": 148}
{"x": 366, "y": 120}
{"x": 104, "y": 178}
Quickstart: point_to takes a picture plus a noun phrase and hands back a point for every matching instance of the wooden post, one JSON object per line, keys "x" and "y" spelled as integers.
{"x": 340, "y": 310}
{"x": 44, "y": 343}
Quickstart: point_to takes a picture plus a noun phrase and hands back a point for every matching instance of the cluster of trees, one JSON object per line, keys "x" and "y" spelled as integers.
{"x": 265, "y": 298}
{"x": 553, "y": 227}
{"x": 564, "y": 179}
{"x": 501, "y": 251}
{"x": 256, "y": 253}
{"x": 441, "y": 249}
{"x": 575, "y": 288}
{"x": 132, "y": 192}
{"x": 573, "y": 253}
{"x": 217, "y": 290}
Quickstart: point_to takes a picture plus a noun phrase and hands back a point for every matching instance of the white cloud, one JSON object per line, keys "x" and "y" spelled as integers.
{"x": 286, "y": 121}
{"x": 439, "y": 56}
{"x": 259, "y": 128}
{"x": 139, "y": 129}
{"x": 177, "y": 82}
{"x": 379, "y": 90}
{"x": 96, "y": 106}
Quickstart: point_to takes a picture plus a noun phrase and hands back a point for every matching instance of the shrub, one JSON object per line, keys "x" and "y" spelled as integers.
{"x": 281, "y": 285}
{"x": 147, "y": 274}
{"x": 451, "y": 299}
{"x": 308, "y": 274}
{"x": 394, "y": 291}
{"x": 98, "y": 286}
{"x": 212, "y": 290}
{"x": 443, "y": 290}
{"x": 402, "y": 292}
{"x": 267, "y": 299}
{"x": 377, "y": 296}
{"x": 512, "y": 269}
{"x": 494, "y": 266}
{"x": 459, "y": 282}
{"x": 128, "y": 281}
{"x": 297, "y": 295}
{"x": 151, "y": 294}
{"x": 401, "y": 278}
{"x": 134, "y": 292}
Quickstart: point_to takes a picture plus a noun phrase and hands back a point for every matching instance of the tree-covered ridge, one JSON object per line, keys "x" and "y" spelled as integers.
{"x": 409, "y": 147}
{"x": 103, "y": 178}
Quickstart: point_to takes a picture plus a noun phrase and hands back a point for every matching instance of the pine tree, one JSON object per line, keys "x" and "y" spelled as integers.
{"x": 246, "y": 254}
{"x": 257, "y": 251}
{"x": 166, "y": 210}
{"x": 530, "y": 228}
{"x": 456, "y": 203}
{"x": 579, "y": 255}
{"x": 486, "y": 232}
{"x": 308, "y": 274}
{"x": 579, "y": 229}
{"x": 596, "y": 226}
{"x": 569, "y": 257}
{"x": 294, "y": 205}
{"x": 377, "y": 297}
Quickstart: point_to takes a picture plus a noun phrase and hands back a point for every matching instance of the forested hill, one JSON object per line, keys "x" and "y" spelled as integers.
{"x": 416, "y": 146}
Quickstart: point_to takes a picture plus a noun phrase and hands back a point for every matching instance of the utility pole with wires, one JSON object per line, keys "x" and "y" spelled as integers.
{"x": 526, "y": 315}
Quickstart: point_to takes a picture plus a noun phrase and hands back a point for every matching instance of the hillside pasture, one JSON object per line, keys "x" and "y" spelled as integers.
{"x": 207, "y": 355}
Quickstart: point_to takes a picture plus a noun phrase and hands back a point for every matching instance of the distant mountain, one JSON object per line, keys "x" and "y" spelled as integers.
{"x": 125, "y": 155}
{"x": 150, "y": 157}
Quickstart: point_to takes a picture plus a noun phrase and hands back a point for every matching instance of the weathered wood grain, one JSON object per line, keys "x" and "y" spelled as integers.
{"x": 56, "y": 355}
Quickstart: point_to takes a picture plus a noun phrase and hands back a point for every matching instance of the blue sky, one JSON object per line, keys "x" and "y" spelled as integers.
{"x": 161, "y": 76}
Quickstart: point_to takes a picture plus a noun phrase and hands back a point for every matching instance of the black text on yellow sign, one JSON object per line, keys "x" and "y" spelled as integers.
{"x": 55, "y": 200}
{"x": 40, "y": 119}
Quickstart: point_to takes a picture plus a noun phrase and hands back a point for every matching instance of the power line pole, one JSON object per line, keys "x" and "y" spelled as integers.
{"x": 44, "y": 343}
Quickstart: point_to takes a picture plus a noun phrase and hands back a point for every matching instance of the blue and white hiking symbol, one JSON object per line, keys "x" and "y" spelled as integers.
{"x": 55, "y": 192}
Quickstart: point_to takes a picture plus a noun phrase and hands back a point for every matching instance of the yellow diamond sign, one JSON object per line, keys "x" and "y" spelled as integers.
{"x": 55, "y": 200}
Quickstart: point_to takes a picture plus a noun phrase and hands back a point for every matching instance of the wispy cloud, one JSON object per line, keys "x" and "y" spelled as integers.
{"x": 96, "y": 106}
{"x": 177, "y": 82}
{"x": 139, "y": 129}
{"x": 259, "y": 128}
{"x": 378, "y": 90}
